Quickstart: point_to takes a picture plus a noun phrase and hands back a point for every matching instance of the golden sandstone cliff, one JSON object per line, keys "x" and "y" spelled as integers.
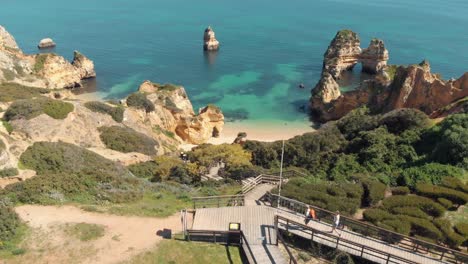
{"x": 391, "y": 87}
{"x": 46, "y": 70}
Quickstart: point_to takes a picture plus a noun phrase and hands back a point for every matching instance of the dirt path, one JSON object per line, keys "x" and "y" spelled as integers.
{"x": 125, "y": 236}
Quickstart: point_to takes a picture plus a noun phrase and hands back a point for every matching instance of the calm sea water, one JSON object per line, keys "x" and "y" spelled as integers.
{"x": 268, "y": 46}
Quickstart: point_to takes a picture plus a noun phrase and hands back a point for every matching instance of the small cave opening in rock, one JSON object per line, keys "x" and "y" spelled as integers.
{"x": 215, "y": 132}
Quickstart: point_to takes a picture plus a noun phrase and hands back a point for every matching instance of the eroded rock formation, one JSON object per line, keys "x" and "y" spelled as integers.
{"x": 391, "y": 87}
{"x": 210, "y": 42}
{"x": 41, "y": 70}
{"x": 174, "y": 113}
{"x": 342, "y": 53}
{"x": 375, "y": 57}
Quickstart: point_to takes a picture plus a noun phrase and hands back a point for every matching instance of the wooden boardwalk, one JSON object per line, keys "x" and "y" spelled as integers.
{"x": 258, "y": 225}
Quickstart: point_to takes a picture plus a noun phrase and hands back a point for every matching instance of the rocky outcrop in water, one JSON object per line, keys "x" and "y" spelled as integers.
{"x": 41, "y": 70}
{"x": 210, "y": 43}
{"x": 375, "y": 57}
{"x": 84, "y": 65}
{"x": 46, "y": 43}
{"x": 342, "y": 53}
{"x": 391, "y": 87}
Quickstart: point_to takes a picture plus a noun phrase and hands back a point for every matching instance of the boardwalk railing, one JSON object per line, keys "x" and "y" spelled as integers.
{"x": 349, "y": 246}
{"x": 280, "y": 238}
{"x": 218, "y": 201}
{"x": 271, "y": 178}
{"x": 417, "y": 246}
{"x": 236, "y": 238}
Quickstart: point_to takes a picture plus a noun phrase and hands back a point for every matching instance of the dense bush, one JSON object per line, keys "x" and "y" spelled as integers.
{"x": 182, "y": 174}
{"x": 9, "y": 223}
{"x": 423, "y": 227}
{"x": 10, "y": 92}
{"x": 374, "y": 191}
{"x": 125, "y": 139}
{"x": 70, "y": 173}
{"x": 409, "y": 211}
{"x": 451, "y": 238}
{"x": 450, "y": 138}
{"x": 428, "y": 173}
{"x": 345, "y": 197}
{"x": 400, "y": 190}
{"x": 8, "y": 172}
{"x": 148, "y": 170}
{"x": 435, "y": 192}
{"x": 445, "y": 203}
{"x": 116, "y": 112}
{"x": 462, "y": 229}
{"x": 404, "y": 119}
{"x": 454, "y": 183}
{"x": 139, "y": 100}
{"x": 425, "y": 204}
{"x": 34, "y": 107}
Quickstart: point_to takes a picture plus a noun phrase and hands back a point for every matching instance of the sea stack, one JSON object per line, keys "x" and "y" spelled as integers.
{"x": 375, "y": 57}
{"x": 210, "y": 42}
{"x": 46, "y": 43}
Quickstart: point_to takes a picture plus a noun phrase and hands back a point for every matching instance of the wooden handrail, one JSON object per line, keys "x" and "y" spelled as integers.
{"x": 440, "y": 251}
{"x": 336, "y": 239}
{"x": 246, "y": 242}
{"x": 218, "y": 201}
{"x": 291, "y": 256}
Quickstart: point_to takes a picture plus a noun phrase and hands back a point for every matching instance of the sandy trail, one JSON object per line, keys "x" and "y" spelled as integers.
{"x": 125, "y": 236}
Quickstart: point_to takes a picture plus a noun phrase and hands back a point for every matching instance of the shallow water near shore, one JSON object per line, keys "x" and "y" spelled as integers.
{"x": 267, "y": 47}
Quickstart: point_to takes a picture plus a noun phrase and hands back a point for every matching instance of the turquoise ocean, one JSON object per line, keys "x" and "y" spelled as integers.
{"x": 268, "y": 47}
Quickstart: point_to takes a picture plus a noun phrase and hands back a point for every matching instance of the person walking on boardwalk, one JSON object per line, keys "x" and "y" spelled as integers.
{"x": 336, "y": 222}
{"x": 310, "y": 214}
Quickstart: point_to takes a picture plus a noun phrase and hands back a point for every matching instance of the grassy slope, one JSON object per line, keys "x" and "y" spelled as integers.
{"x": 174, "y": 251}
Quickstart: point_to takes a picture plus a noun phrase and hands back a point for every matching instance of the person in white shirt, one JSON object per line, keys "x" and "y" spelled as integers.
{"x": 336, "y": 222}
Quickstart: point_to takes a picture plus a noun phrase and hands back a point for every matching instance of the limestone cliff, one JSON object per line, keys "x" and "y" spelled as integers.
{"x": 45, "y": 70}
{"x": 174, "y": 113}
{"x": 210, "y": 43}
{"x": 327, "y": 89}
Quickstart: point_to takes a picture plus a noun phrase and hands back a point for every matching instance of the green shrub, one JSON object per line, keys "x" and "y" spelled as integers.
{"x": 377, "y": 215}
{"x": 182, "y": 175}
{"x": 432, "y": 173}
{"x": 117, "y": 113}
{"x": 10, "y": 92}
{"x": 451, "y": 238}
{"x": 9, "y": 223}
{"x": 454, "y": 183}
{"x": 18, "y": 251}
{"x": 410, "y": 211}
{"x": 8, "y": 126}
{"x": 125, "y": 139}
{"x": 8, "y": 172}
{"x": 462, "y": 229}
{"x": 57, "y": 109}
{"x": 34, "y": 107}
{"x": 374, "y": 191}
{"x": 396, "y": 225}
{"x": 70, "y": 173}
{"x": 139, "y": 100}
{"x": 148, "y": 170}
{"x": 445, "y": 203}
{"x": 435, "y": 192}
{"x": 404, "y": 119}
{"x": 424, "y": 228}
{"x": 425, "y": 204}
{"x": 400, "y": 190}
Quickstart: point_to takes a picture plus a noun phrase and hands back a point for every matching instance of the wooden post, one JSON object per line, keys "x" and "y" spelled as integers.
{"x": 337, "y": 242}
{"x": 362, "y": 251}
{"x": 388, "y": 259}
{"x": 218, "y": 201}
{"x": 442, "y": 256}
{"x": 276, "y": 229}
{"x": 214, "y": 236}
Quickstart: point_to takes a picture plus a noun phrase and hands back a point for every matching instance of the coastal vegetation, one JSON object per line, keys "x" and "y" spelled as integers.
{"x": 139, "y": 101}
{"x": 116, "y": 112}
{"x": 85, "y": 231}
{"x": 30, "y": 108}
{"x": 125, "y": 139}
{"x": 10, "y": 92}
